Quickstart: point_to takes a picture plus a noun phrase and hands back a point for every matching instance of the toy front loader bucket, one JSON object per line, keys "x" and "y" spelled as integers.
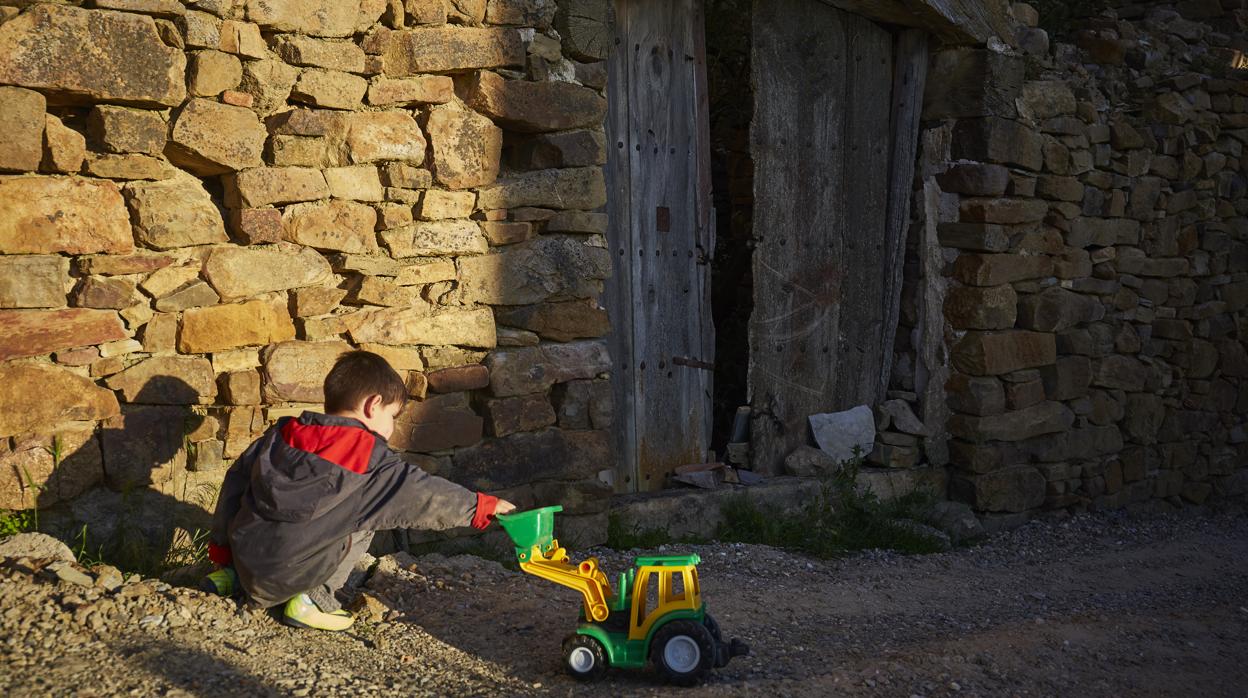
{"x": 530, "y": 528}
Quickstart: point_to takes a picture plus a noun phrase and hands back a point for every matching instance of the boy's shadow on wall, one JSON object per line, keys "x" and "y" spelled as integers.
{"x": 138, "y": 492}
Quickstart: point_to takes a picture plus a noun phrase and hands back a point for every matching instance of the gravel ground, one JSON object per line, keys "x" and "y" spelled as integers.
{"x": 1103, "y": 604}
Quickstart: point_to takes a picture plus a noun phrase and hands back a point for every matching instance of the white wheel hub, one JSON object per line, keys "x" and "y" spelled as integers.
{"x": 581, "y": 660}
{"x": 682, "y": 654}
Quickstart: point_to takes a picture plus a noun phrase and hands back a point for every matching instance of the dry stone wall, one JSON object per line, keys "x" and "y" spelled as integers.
{"x": 1084, "y": 234}
{"x": 202, "y": 203}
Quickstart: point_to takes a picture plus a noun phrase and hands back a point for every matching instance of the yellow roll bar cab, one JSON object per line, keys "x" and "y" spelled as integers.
{"x": 655, "y": 613}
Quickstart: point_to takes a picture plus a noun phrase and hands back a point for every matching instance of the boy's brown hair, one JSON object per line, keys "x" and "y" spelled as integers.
{"x": 358, "y": 374}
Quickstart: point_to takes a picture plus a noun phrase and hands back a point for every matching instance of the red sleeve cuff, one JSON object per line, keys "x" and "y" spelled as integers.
{"x": 220, "y": 554}
{"x": 485, "y": 510}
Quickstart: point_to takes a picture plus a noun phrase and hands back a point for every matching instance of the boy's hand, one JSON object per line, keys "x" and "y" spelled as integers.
{"x": 504, "y": 507}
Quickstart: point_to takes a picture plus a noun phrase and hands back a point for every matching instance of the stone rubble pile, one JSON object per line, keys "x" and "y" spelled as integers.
{"x": 205, "y": 202}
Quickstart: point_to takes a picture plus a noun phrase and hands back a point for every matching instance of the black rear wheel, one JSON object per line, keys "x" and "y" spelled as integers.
{"x": 584, "y": 658}
{"x": 683, "y": 652}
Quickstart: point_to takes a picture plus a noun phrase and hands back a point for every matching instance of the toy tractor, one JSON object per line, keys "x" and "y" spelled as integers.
{"x": 656, "y": 613}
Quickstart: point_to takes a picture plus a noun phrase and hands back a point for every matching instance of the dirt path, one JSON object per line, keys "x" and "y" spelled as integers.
{"x": 1094, "y": 605}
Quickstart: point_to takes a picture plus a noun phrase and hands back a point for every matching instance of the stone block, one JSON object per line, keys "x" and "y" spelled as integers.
{"x": 997, "y": 140}
{"x": 316, "y": 300}
{"x": 22, "y": 122}
{"x": 458, "y": 379}
{"x": 128, "y": 166}
{"x": 194, "y": 295}
{"x": 344, "y": 226}
{"x": 436, "y": 238}
{"x": 437, "y": 424}
{"x": 1015, "y": 489}
{"x": 510, "y": 415}
{"x": 583, "y": 404}
{"x": 81, "y": 56}
{"x": 534, "y": 369}
{"x": 447, "y": 49}
{"x": 559, "y": 322}
{"x": 987, "y": 308}
{"x": 210, "y": 138}
{"x": 577, "y": 222}
{"x": 33, "y": 281}
{"x": 106, "y": 292}
{"x": 47, "y": 215}
{"x": 360, "y": 183}
{"x": 263, "y": 186}
{"x": 532, "y": 107}
{"x": 30, "y": 477}
{"x": 398, "y": 326}
{"x": 212, "y": 72}
{"x": 64, "y": 149}
{"x": 1068, "y": 378}
{"x": 221, "y": 327}
{"x": 1056, "y": 309}
{"x": 583, "y": 148}
{"x": 269, "y": 83}
{"x": 1003, "y": 211}
{"x": 425, "y": 11}
{"x": 996, "y": 353}
{"x": 1102, "y": 232}
{"x": 40, "y": 397}
{"x": 426, "y": 272}
{"x": 575, "y": 188}
{"x": 437, "y": 204}
{"x": 466, "y": 146}
{"x": 385, "y": 135}
{"x": 1143, "y": 418}
{"x": 343, "y": 56}
{"x": 422, "y": 89}
{"x": 1045, "y": 99}
{"x": 978, "y": 237}
{"x": 982, "y": 396}
{"x": 997, "y": 269}
{"x": 973, "y": 82}
{"x": 240, "y": 272}
{"x": 167, "y": 380}
{"x": 243, "y": 39}
{"x": 35, "y": 332}
{"x": 507, "y": 233}
{"x": 974, "y": 179}
{"x": 295, "y": 371}
{"x": 1120, "y": 373}
{"x": 525, "y": 457}
{"x": 1018, "y": 425}
{"x": 326, "y": 18}
{"x": 550, "y": 267}
{"x": 329, "y": 89}
{"x": 1059, "y": 188}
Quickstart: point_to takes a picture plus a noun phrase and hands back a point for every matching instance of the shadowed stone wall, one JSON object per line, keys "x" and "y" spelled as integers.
{"x": 203, "y": 203}
{"x": 1082, "y": 250}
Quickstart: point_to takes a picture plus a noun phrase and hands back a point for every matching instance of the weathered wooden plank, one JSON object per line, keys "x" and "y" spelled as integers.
{"x": 953, "y": 21}
{"x": 909, "y": 77}
{"x": 705, "y": 208}
{"x": 821, "y": 145}
{"x": 618, "y": 296}
{"x": 668, "y": 316}
{"x": 660, "y": 188}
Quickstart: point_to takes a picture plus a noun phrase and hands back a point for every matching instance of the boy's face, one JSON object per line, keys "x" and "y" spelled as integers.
{"x": 379, "y": 417}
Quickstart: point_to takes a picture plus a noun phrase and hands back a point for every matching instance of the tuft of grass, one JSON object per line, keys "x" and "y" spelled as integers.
{"x": 844, "y": 518}
{"x": 15, "y": 522}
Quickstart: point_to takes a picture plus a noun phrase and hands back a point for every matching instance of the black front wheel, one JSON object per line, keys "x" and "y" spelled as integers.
{"x": 584, "y": 658}
{"x": 683, "y": 652}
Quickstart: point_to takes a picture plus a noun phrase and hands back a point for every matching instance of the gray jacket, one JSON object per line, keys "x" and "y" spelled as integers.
{"x": 290, "y": 503}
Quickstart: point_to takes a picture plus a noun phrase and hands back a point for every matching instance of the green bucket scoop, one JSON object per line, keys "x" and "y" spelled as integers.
{"x": 530, "y": 528}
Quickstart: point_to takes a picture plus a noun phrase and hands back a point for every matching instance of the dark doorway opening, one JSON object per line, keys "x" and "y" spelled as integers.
{"x": 731, "y": 96}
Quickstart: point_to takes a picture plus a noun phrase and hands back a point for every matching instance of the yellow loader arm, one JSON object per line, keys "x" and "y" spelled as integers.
{"x": 584, "y": 577}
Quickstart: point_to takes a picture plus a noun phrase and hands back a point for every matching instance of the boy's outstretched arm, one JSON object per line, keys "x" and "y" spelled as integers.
{"x": 398, "y": 494}
{"x": 229, "y": 499}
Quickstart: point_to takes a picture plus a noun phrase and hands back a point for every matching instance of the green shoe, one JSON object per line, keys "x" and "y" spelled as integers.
{"x": 301, "y": 612}
{"x": 223, "y": 582}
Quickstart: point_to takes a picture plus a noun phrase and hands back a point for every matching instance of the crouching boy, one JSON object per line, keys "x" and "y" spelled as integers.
{"x": 299, "y": 507}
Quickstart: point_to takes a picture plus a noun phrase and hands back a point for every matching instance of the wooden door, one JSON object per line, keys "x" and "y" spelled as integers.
{"x": 833, "y": 138}
{"x": 661, "y": 239}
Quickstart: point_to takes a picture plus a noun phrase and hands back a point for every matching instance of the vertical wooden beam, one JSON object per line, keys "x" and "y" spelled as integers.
{"x": 909, "y": 76}
{"x": 619, "y": 294}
